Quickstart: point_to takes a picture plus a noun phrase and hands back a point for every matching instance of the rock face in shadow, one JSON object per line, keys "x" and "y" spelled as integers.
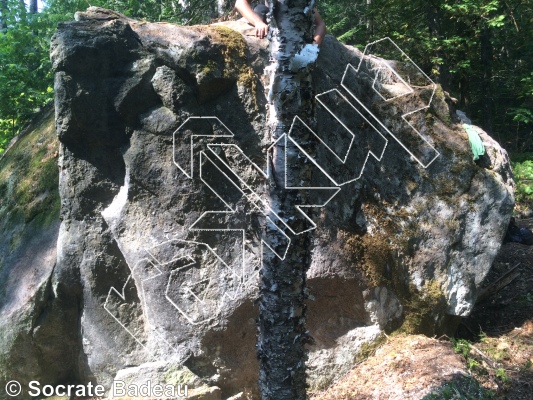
{"x": 37, "y": 341}
{"x": 162, "y": 164}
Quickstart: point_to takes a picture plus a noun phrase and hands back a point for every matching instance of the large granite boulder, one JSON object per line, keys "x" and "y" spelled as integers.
{"x": 162, "y": 165}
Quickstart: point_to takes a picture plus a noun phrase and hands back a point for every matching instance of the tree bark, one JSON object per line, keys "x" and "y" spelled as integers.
{"x": 369, "y": 19}
{"x": 33, "y": 7}
{"x": 434, "y": 19}
{"x": 224, "y": 7}
{"x": 487, "y": 102}
{"x": 282, "y": 333}
{"x": 3, "y": 14}
{"x": 464, "y": 93}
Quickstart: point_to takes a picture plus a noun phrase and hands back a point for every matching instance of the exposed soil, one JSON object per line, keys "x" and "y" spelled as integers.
{"x": 406, "y": 367}
{"x": 491, "y": 356}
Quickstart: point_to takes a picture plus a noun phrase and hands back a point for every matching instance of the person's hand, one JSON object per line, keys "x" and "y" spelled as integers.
{"x": 261, "y": 29}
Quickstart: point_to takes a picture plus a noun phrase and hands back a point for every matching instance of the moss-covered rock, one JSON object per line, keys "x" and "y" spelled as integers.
{"x": 33, "y": 334}
{"x": 29, "y": 175}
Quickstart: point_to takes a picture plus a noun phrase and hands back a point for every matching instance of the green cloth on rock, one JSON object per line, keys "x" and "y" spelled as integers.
{"x": 475, "y": 141}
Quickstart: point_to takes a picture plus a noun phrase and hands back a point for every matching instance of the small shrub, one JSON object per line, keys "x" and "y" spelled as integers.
{"x": 522, "y": 165}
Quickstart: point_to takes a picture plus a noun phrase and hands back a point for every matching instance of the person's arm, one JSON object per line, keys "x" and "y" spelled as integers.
{"x": 320, "y": 28}
{"x": 261, "y": 29}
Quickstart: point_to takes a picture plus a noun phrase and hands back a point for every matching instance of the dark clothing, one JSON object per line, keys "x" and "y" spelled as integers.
{"x": 261, "y": 10}
{"x": 512, "y": 235}
{"x": 527, "y": 236}
{"x": 518, "y": 235}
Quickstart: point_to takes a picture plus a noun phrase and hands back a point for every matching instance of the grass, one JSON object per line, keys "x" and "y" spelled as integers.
{"x": 484, "y": 369}
{"x": 462, "y": 388}
{"x": 497, "y": 364}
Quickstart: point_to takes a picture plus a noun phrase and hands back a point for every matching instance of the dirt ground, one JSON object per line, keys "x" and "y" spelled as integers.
{"x": 501, "y": 325}
{"x": 406, "y": 367}
{"x": 490, "y": 357}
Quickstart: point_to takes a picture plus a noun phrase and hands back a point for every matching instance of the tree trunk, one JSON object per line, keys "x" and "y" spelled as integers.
{"x": 434, "y": 18}
{"x": 224, "y": 7}
{"x": 486, "y": 99}
{"x": 464, "y": 93}
{"x": 33, "y": 7}
{"x": 3, "y": 14}
{"x": 282, "y": 333}
{"x": 369, "y": 19}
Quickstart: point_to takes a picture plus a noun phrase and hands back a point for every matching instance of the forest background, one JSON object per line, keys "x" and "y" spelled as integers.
{"x": 480, "y": 51}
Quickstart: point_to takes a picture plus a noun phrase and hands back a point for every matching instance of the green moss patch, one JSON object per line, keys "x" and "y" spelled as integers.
{"x": 373, "y": 256}
{"x": 29, "y": 177}
{"x": 370, "y": 255}
{"x": 422, "y": 309}
{"x": 181, "y": 376}
{"x": 234, "y": 51}
{"x": 368, "y": 349}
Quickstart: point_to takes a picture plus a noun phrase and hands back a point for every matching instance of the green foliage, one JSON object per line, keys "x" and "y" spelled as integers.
{"x": 461, "y": 346}
{"x": 479, "y": 50}
{"x": 522, "y": 164}
{"x": 464, "y": 347}
{"x": 196, "y": 11}
{"x": 522, "y": 115}
{"x": 528, "y": 298}
{"x": 502, "y": 375}
{"x": 25, "y": 72}
{"x": 464, "y": 388}
{"x": 344, "y": 19}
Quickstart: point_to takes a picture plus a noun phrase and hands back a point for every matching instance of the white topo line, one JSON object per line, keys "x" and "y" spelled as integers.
{"x": 279, "y": 224}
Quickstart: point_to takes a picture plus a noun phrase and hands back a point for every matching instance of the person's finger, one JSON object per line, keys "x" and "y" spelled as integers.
{"x": 261, "y": 31}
